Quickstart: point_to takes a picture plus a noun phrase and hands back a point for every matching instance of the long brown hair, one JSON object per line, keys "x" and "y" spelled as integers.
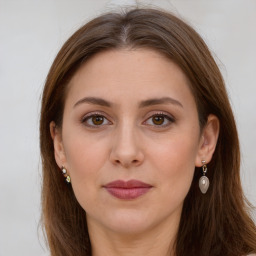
{"x": 217, "y": 223}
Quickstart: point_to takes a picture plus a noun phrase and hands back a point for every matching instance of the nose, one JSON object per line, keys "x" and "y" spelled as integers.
{"x": 126, "y": 148}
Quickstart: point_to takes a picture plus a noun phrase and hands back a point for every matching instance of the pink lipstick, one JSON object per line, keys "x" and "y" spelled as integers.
{"x": 127, "y": 190}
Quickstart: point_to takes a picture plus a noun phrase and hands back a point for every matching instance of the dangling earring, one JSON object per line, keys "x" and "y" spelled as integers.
{"x": 64, "y": 172}
{"x": 204, "y": 181}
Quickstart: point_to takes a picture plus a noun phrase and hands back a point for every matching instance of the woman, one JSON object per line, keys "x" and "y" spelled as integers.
{"x": 136, "y": 119}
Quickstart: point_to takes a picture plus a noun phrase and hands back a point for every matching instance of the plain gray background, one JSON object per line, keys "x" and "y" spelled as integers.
{"x": 32, "y": 31}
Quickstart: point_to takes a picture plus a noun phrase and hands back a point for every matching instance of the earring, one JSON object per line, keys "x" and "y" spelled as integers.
{"x": 64, "y": 172}
{"x": 204, "y": 181}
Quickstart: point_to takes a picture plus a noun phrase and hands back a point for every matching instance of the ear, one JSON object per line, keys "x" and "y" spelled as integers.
{"x": 208, "y": 140}
{"x": 59, "y": 152}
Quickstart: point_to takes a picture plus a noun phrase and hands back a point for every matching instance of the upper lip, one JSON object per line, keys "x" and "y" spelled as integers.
{"x": 127, "y": 184}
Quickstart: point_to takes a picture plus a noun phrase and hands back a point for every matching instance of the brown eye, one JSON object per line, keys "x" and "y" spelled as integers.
{"x": 158, "y": 120}
{"x": 97, "y": 120}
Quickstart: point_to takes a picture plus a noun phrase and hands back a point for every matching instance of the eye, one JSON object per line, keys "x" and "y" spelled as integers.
{"x": 160, "y": 119}
{"x": 95, "y": 120}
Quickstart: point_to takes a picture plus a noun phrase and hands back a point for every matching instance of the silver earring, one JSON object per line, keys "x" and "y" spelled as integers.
{"x": 64, "y": 172}
{"x": 204, "y": 181}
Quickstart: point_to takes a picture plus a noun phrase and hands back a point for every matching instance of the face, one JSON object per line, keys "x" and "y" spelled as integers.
{"x": 130, "y": 139}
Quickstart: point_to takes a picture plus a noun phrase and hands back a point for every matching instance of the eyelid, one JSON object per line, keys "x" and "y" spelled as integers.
{"x": 92, "y": 114}
{"x": 170, "y": 118}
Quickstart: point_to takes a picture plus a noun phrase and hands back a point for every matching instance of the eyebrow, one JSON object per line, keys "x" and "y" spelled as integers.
{"x": 159, "y": 101}
{"x": 142, "y": 104}
{"x": 94, "y": 101}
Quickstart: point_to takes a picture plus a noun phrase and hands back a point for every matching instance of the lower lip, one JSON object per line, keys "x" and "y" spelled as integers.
{"x": 127, "y": 193}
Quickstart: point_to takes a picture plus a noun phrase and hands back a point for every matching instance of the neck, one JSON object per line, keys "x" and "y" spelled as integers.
{"x": 154, "y": 242}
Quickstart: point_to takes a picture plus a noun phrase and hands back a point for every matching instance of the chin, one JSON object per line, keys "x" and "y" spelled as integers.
{"x": 129, "y": 222}
{"x": 129, "y": 227}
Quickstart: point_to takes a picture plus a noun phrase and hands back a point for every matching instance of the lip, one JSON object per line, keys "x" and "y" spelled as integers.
{"x": 127, "y": 190}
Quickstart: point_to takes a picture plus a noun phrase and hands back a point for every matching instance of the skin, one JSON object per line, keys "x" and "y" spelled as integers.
{"x": 128, "y": 143}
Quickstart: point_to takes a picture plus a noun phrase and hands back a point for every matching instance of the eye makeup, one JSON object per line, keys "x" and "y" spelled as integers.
{"x": 98, "y": 119}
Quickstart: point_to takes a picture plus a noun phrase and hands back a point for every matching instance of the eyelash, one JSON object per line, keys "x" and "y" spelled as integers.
{"x": 169, "y": 118}
{"x": 89, "y": 116}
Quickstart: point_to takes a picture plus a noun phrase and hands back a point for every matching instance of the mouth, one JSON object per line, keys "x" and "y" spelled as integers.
{"x": 127, "y": 190}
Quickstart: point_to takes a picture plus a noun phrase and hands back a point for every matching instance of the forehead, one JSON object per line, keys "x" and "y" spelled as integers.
{"x": 125, "y": 74}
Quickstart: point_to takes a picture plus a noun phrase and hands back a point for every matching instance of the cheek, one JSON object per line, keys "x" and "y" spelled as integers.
{"x": 85, "y": 157}
{"x": 175, "y": 161}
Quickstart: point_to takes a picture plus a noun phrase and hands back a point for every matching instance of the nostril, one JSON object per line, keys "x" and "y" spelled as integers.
{"x": 126, "y": 158}
{"x": 126, "y": 164}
